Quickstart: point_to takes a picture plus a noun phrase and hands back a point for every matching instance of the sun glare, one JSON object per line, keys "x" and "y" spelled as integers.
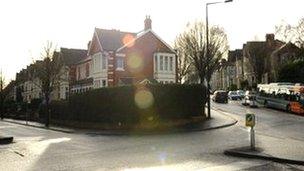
{"x": 128, "y": 40}
{"x": 144, "y": 98}
{"x": 135, "y": 62}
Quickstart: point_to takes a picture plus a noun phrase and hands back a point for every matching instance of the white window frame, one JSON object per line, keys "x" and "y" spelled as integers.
{"x": 166, "y": 63}
{"x": 161, "y": 62}
{"x": 104, "y": 62}
{"x": 170, "y": 63}
{"x": 155, "y": 62}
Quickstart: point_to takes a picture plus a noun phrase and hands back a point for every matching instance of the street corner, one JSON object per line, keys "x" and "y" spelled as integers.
{"x": 238, "y": 152}
{"x": 6, "y": 140}
{"x": 222, "y": 115}
{"x": 258, "y": 153}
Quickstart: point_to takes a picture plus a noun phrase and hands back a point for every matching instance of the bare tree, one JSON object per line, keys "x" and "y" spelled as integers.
{"x": 183, "y": 65}
{"x": 48, "y": 71}
{"x": 192, "y": 44}
{"x": 290, "y": 33}
{"x": 257, "y": 55}
{"x": 2, "y": 94}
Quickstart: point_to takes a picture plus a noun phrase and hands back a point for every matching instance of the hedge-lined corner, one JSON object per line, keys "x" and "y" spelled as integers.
{"x": 132, "y": 104}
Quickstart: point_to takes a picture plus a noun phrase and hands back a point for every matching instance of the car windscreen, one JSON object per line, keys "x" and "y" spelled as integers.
{"x": 233, "y": 93}
{"x": 241, "y": 92}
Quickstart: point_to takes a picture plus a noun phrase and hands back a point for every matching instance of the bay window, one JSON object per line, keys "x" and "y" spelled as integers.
{"x": 166, "y": 63}
{"x": 171, "y": 64}
{"x": 161, "y": 63}
{"x": 104, "y": 62}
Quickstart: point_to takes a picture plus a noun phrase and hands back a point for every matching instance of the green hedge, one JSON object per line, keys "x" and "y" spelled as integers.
{"x": 35, "y": 103}
{"x": 117, "y": 104}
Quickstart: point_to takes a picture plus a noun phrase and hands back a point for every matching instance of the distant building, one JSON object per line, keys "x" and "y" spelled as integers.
{"x": 239, "y": 68}
{"x": 70, "y": 58}
{"x": 30, "y": 85}
{"x": 10, "y": 91}
{"x": 27, "y": 85}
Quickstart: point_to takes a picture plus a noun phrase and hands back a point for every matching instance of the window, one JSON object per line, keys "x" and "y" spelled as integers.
{"x": 94, "y": 64}
{"x": 120, "y": 63}
{"x": 97, "y": 84}
{"x": 104, "y": 83}
{"x": 166, "y": 63}
{"x": 87, "y": 70}
{"x": 161, "y": 63}
{"x": 104, "y": 62}
{"x": 155, "y": 62}
{"x": 171, "y": 63}
{"x": 78, "y": 68}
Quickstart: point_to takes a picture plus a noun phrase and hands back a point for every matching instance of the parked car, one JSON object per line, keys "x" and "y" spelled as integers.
{"x": 233, "y": 95}
{"x": 241, "y": 93}
{"x": 250, "y": 99}
{"x": 220, "y": 96}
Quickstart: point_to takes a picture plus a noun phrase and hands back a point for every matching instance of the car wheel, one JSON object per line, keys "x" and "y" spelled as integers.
{"x": 288, "y": 109}
{"x": 265, "y": 103}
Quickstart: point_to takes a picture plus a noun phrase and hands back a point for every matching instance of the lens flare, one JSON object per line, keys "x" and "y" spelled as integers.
{"x": 135, "y": 62}
{"x": 144, "y": 99}
{"x": 128, "y": 40}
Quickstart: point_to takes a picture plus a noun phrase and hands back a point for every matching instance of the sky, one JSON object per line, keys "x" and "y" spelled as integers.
{"x": 26, "y": 25}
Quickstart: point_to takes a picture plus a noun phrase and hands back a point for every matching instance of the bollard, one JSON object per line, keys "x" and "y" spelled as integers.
{"x": 250, "y": 122}
{"x": 252, "y": 138}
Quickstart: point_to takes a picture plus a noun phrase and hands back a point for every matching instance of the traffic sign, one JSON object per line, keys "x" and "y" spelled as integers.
{"x": 250, "y": 120}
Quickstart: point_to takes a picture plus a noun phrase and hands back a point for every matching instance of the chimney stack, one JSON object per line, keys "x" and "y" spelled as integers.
{"x": 269, "y": 40}
{"x": 148, "y": 23}
{"x": 270, "y": 37}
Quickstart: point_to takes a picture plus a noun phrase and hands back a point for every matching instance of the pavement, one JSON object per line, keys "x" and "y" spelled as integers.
{"x": 218, "y": 120}
{"x": 273, "y": 149}
{"x": 39, "y": 125}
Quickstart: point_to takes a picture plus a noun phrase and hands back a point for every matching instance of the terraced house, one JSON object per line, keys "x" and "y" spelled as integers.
{"x": 257, "y": 62}
{"x": 119, "y": 58}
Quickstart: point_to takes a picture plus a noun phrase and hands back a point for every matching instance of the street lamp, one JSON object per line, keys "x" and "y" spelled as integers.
{"x": 207, "y": 51}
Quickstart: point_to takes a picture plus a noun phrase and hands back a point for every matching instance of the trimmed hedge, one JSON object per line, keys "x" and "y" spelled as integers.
{"x": 117, "y": 104}
{"x": 35, "y": 103}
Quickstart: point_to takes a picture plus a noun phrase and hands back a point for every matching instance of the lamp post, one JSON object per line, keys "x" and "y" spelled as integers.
{"x": 207, "y": 52}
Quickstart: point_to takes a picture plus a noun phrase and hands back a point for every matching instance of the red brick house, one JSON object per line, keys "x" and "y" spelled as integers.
{"x": 119, "y": 58}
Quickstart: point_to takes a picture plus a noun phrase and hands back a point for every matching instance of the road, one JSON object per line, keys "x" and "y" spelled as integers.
{"x": 270, "y": 122}
{"x": 40, "y": 149}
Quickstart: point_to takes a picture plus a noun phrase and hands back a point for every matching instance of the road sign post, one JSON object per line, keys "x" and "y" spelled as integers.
{"x": 250, "y": 122}
{"x": 252, "y": 139}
